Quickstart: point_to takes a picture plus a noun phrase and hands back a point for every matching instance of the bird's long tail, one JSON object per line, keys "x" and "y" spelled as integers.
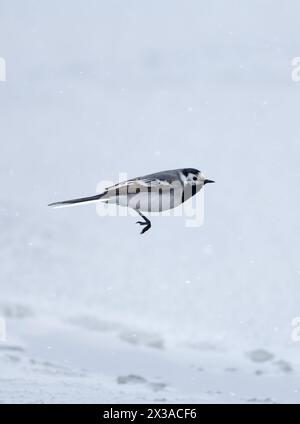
{"x": 80, "y": 201}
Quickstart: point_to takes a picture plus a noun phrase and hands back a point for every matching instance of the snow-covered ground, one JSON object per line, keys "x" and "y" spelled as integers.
{"x": 93, "y": 311}
{"x": 84, "y": 359}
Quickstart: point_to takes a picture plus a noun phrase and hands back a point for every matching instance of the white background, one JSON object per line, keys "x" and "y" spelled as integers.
{"x": 95, "y": 88}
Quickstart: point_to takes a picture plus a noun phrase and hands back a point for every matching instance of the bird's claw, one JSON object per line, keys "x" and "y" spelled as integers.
{"x": 147, "y": 226}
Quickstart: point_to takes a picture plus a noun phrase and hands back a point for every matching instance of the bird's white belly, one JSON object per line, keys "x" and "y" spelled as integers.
{"x": 149, "y": 202}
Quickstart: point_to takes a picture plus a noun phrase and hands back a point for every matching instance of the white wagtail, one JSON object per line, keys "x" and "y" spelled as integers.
{"x": 151, "y": 193}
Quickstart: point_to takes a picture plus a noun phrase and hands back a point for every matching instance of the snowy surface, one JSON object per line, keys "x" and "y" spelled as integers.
{"x": 94, "y": 312}
{"x": 88, "y": 360}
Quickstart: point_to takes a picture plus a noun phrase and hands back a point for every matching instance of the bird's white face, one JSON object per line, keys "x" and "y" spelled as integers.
{"x": 196, "y": 178}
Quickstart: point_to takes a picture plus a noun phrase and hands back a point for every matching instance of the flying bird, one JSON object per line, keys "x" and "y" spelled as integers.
{"x": 151, "y": 193}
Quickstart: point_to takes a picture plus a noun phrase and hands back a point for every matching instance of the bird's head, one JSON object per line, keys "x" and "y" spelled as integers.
{"x": 194, "y": 177}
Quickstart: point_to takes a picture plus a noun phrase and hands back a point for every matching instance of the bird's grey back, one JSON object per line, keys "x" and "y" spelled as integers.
{"x": 170, "y": 176}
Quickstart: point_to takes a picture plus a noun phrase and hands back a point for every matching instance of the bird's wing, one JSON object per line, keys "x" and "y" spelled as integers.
{"x": 140, "y": 185}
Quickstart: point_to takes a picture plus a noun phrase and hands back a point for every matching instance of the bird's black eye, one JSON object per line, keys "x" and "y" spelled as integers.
{"x": 194, "y": 178}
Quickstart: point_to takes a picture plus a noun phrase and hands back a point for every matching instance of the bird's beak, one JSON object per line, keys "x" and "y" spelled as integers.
{"x": 208, "y": 181}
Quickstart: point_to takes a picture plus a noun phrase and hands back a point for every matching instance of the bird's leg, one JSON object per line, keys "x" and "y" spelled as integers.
{"x": 146, "y": 222}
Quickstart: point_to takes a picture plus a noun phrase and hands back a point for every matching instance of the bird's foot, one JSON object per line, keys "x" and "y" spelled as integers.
{"x": 147, "y": 225}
